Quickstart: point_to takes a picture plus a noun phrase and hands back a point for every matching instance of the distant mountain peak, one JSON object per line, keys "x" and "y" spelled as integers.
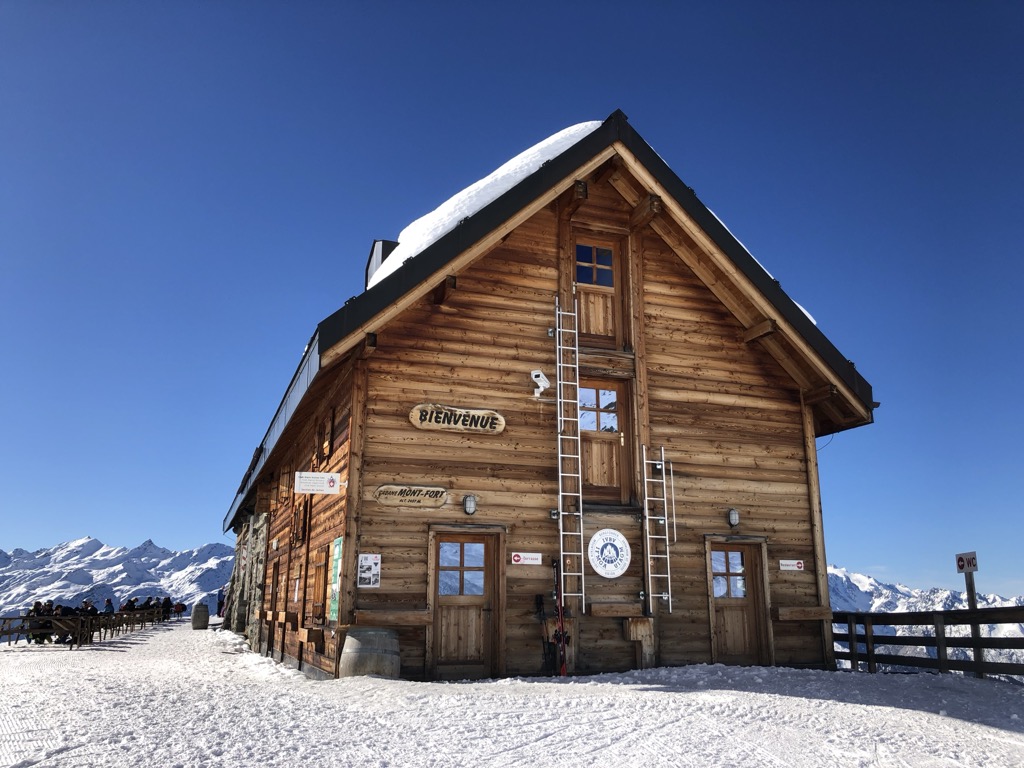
{"x": 85, "y": 568}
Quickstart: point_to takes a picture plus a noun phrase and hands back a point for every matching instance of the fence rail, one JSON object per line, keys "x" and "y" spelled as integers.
{"x": 75, "y": 630}
{"x": 862, "y": 640}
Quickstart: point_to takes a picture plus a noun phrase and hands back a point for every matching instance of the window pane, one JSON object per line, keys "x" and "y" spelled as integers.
{"x": 584, "y": 254}
{"x": 448, "y": 583}
{"x": 588, "y": 421}
{"x": 736, "y": 562}
{"x": 605, "y": 277}
{"x": 604, "y": 257}
{"x": 450, "y": 554}
{"x": 588, "y": 397}
{"x": 473, "y": 583}
{"x": 717, "y": 562}
{"x": 737, "y": 586}
{"x": 584, "y": 275}
{"x": 474, "y": 555}
{"x": 609, "y": 422}
{"x": 719, "y": 585}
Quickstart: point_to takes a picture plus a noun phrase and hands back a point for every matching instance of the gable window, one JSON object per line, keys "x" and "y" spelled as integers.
{"x": 598, "y": 275}
{"x": 594, "y": 265}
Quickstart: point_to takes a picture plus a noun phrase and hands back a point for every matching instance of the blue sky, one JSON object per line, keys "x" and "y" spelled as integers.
{"x": 187, "y": 188}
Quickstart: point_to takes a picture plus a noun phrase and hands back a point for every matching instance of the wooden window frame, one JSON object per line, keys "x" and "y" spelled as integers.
{"x": 618, "y": 245}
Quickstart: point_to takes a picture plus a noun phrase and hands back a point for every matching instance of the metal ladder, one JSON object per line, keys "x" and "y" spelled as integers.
{"x": 570, "y": 476}
{"x": 659, "y": 499}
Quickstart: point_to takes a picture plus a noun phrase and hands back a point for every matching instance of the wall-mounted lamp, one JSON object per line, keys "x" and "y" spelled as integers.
{"x": 469, "y": 504}
{"x": 734, "y": 517}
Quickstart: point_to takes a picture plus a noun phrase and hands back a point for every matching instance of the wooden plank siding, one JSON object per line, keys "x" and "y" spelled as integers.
{"x": 731, "y": 421}
{"x": 729, "y": 415}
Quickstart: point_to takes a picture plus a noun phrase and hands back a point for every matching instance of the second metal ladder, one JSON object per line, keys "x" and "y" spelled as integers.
{"x": 659, "y": 500}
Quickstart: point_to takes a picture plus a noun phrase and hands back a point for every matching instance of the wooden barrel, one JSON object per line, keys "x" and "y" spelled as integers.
{"x": 200, "y": 616}
{"x": 370, "y": 651}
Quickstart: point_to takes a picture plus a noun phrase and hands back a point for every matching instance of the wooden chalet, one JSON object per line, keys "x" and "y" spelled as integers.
{"x": 573, "y": 363}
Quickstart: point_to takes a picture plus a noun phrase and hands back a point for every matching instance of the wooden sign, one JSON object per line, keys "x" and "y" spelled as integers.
{"x": 445, "y": 417}
{"x": 411, "y": 495}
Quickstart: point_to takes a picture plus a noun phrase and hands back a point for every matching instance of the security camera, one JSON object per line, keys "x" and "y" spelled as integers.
{"x": 540, "y": 380}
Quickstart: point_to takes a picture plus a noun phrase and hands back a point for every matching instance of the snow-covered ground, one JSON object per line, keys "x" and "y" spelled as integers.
{"x": 174, "y": 696}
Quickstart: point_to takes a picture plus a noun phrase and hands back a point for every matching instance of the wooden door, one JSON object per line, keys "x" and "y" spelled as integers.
{"x": 603, "y": 441}
{"x": 464, "y": 602}
{"x": 737, "y": 604}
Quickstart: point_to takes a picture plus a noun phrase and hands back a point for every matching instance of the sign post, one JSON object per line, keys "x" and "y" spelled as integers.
{"x": 967, "y": 564}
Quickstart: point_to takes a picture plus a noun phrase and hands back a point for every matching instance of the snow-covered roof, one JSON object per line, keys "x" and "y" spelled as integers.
{"x": 426, "y": 230}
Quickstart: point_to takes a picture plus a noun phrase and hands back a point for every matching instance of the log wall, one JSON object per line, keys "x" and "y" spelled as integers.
{"x": 730, "y": 418}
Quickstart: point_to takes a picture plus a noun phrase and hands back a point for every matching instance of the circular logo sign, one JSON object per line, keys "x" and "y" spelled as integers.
{"x": 609, "y": 553}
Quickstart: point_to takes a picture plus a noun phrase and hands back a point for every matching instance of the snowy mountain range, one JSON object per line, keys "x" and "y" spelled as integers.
{"x": 856, "y": 592}
{"x": 861, "y": 594}
{"x": 87, "y": 569}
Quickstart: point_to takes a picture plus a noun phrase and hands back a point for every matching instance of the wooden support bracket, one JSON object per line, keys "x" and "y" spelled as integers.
{"x": 820, "y": 394}
{"x": 643, "y": 213}
{"x": 759, "y": 331}
{"x": 444, "y": 290}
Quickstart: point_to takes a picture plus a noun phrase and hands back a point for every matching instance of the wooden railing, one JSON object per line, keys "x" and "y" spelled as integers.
{"x": 78, "y": 630}
{"x": 866, "y": 646}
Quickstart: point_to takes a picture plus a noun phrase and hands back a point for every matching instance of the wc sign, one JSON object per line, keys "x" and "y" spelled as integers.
{"x": 967, "y": 562}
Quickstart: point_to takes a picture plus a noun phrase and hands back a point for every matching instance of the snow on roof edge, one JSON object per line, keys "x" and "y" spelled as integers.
{"x": 428, "y": 229}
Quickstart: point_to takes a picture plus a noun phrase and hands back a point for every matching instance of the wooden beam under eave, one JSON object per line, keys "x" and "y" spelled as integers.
{"x": 444, "y": 289}
{"x": 820, "y": 394}
{"x": 759, "y": 331}
{"x": 644, "y": 212}
{"x": 570, "y": 200}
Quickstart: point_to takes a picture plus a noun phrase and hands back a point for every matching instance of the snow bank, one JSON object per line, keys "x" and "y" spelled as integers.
{"x": 173, "y": 696}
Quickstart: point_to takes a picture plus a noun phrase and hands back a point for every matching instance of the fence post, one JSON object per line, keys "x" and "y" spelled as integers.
{"x": 851, "y": 631}
{"x": 939, "y": 620}
{"x": 869, "y": 641}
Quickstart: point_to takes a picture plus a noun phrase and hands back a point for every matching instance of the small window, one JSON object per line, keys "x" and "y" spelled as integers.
{"x": 324, "y": 440}
{"x": 284, "y": 484}
{"x": 595, "y": 265}
{"x": 300, "y": 520}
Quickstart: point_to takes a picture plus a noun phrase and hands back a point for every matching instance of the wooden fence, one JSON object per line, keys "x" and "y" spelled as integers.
{"x": 78, "y": 630}
{"x": 865, "y": 645}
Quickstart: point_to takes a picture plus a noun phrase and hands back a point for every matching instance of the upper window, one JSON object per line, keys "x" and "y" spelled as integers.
{"x": 595, "y": 265}
{"x": 599, "y": 282}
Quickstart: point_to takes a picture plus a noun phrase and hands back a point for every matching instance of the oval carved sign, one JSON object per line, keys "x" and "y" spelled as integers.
{"x": 447, "y": 418}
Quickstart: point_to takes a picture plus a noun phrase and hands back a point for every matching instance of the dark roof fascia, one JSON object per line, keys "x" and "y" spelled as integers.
{"x": 361, "y": 309}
